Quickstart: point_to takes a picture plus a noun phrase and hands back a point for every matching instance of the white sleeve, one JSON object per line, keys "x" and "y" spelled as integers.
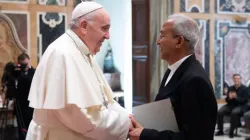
{"x": 108, "y": 124}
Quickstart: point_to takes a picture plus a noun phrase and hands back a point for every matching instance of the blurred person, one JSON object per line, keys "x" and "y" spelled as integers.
{"x": 225, "y": 89}
{"x": 8, "y": 81}
{"x": 24, "y": 73}
{"x": 237, "y": 98}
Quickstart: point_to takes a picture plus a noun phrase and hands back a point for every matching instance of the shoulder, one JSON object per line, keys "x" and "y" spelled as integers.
{"x": 244, "y": 87}
{"x": 196, "y": 73}
{"x": 195, "y": 77}
{"x": 199, "y": 87}
{"x": 197, "y": 80}
{"x": 62, "y": 47}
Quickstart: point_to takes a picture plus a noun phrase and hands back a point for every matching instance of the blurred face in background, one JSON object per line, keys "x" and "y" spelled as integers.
{"x": 237, "y": 80}
{"x": 25, "y": 62}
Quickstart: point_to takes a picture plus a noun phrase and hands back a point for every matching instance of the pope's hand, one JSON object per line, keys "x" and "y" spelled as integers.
{"x": 134, "y": 134}
{"x": 131, "y": 127}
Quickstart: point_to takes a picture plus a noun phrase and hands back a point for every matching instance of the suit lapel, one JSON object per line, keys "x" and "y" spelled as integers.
{"x": 165, "y": 78}
{"x": 174, "y": 81}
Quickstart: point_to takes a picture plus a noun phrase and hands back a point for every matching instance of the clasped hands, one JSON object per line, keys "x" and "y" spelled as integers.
{"x": 135, "y": 129}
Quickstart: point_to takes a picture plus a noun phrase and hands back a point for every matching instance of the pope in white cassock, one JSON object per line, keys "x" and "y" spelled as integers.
{"x": 71, "y": 98}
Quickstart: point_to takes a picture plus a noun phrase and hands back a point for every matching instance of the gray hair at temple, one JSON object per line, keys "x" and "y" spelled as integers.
{"x": 76, "y": 22}
{"x": 187, "y": 27}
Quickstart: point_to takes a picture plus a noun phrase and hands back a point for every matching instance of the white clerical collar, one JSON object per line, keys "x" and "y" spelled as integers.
{"x": 175, "y": 66}
{"x": 82, "y": 47}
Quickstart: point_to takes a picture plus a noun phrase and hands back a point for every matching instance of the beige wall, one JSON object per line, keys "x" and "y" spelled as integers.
{"x": 32, "y": 8}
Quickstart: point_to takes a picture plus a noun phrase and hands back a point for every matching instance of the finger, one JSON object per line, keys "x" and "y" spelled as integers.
{"x": 131, "y": 134}
{"x": 135, "y": 123}
{"x": 131, "y": 128}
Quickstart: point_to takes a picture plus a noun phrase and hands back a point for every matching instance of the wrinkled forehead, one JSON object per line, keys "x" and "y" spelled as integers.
{"x": 102, "y": 17}
{"x": 167, "y": 26}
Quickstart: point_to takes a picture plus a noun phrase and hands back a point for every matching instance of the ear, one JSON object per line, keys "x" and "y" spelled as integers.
{"x": 180, "y": 41}
{"x": 84, "y": 25}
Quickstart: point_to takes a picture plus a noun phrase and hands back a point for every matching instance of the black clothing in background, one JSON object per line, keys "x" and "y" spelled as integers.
{"x": 23, "y": 112}
{"x": 242, "y": 96}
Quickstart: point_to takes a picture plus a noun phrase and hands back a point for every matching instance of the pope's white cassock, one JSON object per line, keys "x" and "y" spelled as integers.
{"x": 68, "y": 93}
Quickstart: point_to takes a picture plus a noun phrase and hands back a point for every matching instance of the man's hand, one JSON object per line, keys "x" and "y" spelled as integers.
{"x": 135, "y": 133}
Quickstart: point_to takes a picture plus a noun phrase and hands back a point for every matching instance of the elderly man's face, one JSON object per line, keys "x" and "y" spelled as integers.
{"x": 98, "y": 31}
{"x": 167, "y": 40}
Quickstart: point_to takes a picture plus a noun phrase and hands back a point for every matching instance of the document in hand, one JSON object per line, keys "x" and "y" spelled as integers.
{"x": 156, "y": 115}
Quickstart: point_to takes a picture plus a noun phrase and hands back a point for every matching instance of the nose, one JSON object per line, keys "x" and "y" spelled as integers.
{"x": 107, "y": 36}
{"x": 158, "y": 41}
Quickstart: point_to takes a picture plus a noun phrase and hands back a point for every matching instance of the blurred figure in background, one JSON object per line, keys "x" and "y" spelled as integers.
{"x": 237, "y": 98}
{"x": 24, "y": 74}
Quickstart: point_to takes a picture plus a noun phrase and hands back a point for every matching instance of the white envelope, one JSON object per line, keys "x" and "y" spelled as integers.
{"x": 156, "y": 115}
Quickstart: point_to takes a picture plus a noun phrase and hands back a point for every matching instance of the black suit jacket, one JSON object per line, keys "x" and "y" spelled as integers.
{"x": 193, "y": 101}
{"x": 25, "y": 113}
{"x": 24, "y": 83}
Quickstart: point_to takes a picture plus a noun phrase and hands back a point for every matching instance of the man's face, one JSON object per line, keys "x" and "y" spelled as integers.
{"x": 167, "y": 42}
{"x": 97, "y": 31}
{"x": 237, "y": 80}
{"x": 26, "y": 62}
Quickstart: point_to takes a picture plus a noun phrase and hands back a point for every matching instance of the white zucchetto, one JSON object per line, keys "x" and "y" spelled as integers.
{"x": 84, "y": 8}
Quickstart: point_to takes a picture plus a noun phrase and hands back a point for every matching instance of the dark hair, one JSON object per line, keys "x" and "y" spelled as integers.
{"x": 236, "y": 75}
{"x": 225, "y": 85}
{"x": 23, "y": 56}
{"x": 9, "y": 67}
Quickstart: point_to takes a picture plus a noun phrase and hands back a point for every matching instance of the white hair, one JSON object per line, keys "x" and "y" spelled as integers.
{"x": 187, "y": 27}
{"x": 76, "y": 22}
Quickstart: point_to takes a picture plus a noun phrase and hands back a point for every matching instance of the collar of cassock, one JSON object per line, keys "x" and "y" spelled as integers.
{"x": 82, "y": 47}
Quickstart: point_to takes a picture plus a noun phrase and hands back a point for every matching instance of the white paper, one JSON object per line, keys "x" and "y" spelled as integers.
{"x": 156, "y": 115}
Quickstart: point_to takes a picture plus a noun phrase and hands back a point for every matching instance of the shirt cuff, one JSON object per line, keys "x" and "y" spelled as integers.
{"x": 147, "y": 134}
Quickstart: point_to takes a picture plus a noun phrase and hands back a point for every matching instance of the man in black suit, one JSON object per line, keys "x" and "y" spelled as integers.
{"x": 186, "y": 83}
{"x": 24, "y": 113}
{"x": 237, "y": 98}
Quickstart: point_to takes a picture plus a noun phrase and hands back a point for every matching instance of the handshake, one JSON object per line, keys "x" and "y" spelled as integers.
{"x": 135, "y": 129}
